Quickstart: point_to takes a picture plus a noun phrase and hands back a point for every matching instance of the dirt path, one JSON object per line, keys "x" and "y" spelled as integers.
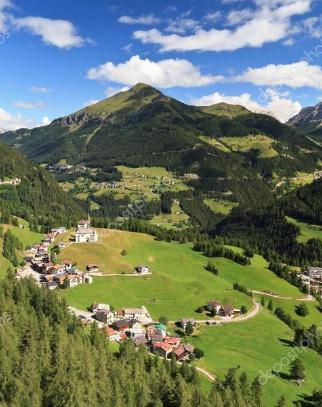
{"x": 307, "y": 298}
{"x": 255, "y": 310}
{"x": 204, "y": 372}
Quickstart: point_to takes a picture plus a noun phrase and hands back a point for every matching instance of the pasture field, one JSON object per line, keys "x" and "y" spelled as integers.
{"x": 244, "y": 144}
{"x": 257, "y": 346}
{"x": 308, "y": 231}
{"x": 176, "y": 219}
{"x": 177, "y": 286}
{"x": 289, "y": 306}
{"x": 179, "y": 282}
{"x": 220, "y": 206}
{"x": 26, "y": 237}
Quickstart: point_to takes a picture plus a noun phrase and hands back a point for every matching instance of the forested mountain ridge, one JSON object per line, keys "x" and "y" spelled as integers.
{"x": 229, "y": 148}
{"x": 144, "y": 127}
{"x": 36, "y": 193}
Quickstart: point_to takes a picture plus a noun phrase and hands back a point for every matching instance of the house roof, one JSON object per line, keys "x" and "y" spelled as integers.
{"x": 172, "y": 340}
{"x": 163, "y": 345}
{"x": 110, "y": 331}
{"x": 214, "y": 303}
{"x": 189, "y": 348}
{"x": 133, "y": 310}
{"x": 92, "y": 266}
{"x": 122, "y": 324}
{"x": 180, "y": 351}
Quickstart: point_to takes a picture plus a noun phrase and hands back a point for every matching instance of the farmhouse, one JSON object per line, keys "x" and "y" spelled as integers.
{"x": 214, "y": 306}
{"x": 113, "y": 336}
{"x": 84, "y": 224}
{"x": 162, "y": 349}
{"x": 92, "y": 268}
{"x": 142, "y": 269}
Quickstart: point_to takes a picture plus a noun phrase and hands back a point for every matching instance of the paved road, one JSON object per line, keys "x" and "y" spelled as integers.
{"x": 307, "y": 298}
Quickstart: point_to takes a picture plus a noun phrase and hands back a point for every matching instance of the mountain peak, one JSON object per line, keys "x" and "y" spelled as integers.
{"x": 308, "y": 115}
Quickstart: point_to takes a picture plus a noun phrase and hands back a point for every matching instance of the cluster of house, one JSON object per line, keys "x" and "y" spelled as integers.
{"x": 14, "y": 181}
{"x": 47, "y": 273}
{"x": 85, "y": 233}
{"x": 216, "y": 308}
{"x": 66, "y": 167}
{"x": 312, "y": 278}
{"x": 137, "y": 325}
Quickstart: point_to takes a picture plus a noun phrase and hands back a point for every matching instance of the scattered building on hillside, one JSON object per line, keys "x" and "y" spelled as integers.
{"x": 92, "y": 268}
{"x": 142, "y": 270}
{"x": 184, "y": 322}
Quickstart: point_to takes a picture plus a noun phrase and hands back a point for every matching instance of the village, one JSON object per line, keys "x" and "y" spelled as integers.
{"x": 133, "y": 324}
{"x": 312, "y": 278}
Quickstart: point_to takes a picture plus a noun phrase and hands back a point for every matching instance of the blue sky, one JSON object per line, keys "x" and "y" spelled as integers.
{"x": 59, "y": 55}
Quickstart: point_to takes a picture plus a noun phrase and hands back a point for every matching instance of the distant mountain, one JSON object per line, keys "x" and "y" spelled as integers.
{"x": 143, "y": 127}
{"x": 225, "y": 109}
{"x": 35, "y": 194}
{"x": 311, "y": 115}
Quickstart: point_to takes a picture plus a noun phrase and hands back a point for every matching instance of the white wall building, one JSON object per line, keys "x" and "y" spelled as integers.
{"x": 86, "y": 236}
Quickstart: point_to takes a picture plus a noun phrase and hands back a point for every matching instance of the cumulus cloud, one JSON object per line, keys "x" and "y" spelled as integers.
{"x": 45, "y": 121}
{"x": 20, "y": 104}
{"x": 181, "y": 25}
{"x": 10, "y": 121}
{"x": 111, "y": 91}
{"x": 166, "y": 73}
{"x": 269, "y": 21}
{"x": 148, "y": 19}
{"x": 4, "y": 6}
{"x": 60, "y": 33}
{"x": 270, "y": 102}
{"x": 295, "y": 75}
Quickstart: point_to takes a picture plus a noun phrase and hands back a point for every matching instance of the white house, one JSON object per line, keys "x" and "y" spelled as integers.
{"x": 142, "y": 269}
{"x": 83, "y": 235}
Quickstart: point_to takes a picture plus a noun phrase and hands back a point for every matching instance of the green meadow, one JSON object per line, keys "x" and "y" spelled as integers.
{"x": 179, "y": 282}
{"x": 257, "y": 346}
{"x": 308, "y": 231}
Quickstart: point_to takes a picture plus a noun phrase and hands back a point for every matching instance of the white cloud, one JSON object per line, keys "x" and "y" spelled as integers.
{"x": 45, "y": 121}
{"x": 270, "y": 21}
{"x": 271, "y": 102}
{"x": 181, "y": 25}
{"x": 213, "y": 16}
{"x": 111, "y": 91}
{"x": 20, "y": 104}
{"x": 295, "y": 75}
{"x": 148, "y": 19}
{"x": 9, "y": 121}
{"x": 40, "y": 89}
{"x": 4, "y": 6}
{"x": 312, "y": 26}
{"x": 166, "y": 73}
{"x": 60, "y": 33}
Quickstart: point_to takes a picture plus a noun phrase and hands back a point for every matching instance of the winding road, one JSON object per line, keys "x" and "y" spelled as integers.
{"x": 307, "y": 298}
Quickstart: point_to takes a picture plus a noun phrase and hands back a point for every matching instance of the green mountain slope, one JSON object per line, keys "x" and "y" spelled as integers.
{"x": 143, "y": 127}
{"x": 36, "y": 194}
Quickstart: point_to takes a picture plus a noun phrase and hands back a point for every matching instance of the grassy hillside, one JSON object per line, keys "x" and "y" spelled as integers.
{"x": 307, "y": 231}
{"x": 143, "y": 127}
{"x": 179, "y": 282}
{"x": 258, "y": 346}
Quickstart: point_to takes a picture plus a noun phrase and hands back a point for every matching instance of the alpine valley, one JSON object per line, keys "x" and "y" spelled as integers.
{"x": 156, "y": 228}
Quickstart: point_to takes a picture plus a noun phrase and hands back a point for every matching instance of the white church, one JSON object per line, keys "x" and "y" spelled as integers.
{"x": 84, "y": 232}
